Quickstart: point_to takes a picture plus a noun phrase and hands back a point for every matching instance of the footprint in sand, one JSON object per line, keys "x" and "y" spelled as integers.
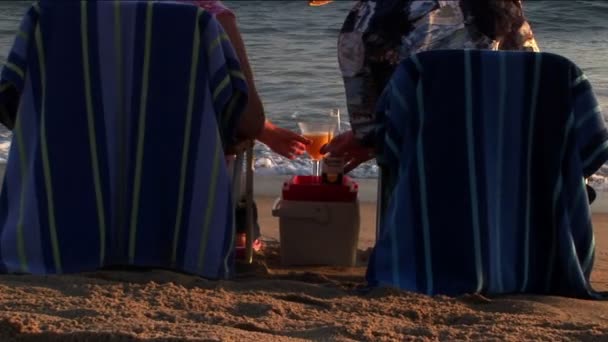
{"x": 253, "y": 310}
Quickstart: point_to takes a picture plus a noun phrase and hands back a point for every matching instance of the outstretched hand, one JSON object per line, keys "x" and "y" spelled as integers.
{"x": 283, "y": 141}
{"x": 346, "y": 145}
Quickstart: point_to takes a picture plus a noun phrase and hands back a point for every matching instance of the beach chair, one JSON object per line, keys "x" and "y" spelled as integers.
{"x": 484, "y": 156}
{"x": 124, "y": 110}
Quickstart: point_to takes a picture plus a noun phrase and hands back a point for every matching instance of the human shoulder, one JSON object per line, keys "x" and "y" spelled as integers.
{"x": 215, "y": 7}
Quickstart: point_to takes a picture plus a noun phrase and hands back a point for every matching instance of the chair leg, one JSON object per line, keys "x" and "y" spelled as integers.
{"x": 249, "y": 204}
{"x": 235, "y": 167}
{"x": 379, "y": 204}
{"x": 237, "y": 172}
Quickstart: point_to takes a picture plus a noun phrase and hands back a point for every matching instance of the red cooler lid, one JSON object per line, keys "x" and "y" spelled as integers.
{"x": 310, "y": 188}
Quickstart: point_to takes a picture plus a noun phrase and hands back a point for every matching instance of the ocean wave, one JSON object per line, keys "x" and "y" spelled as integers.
{"x": 270, "y": 163}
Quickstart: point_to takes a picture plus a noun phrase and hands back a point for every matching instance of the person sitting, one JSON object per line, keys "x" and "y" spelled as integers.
{"x": 518, "y": 131}
{"x": 121, "y": 112}
{"x": 280, "y": 140}
{"x": 488, "y": 152}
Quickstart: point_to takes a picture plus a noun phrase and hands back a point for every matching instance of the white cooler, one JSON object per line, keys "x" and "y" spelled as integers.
{"x": 318, "y": 232}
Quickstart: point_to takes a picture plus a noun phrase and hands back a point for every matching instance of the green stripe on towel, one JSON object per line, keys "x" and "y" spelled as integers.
{"x": 217, "y": 158}
{"x": 187, "y": 133}
{"x": 229, "y": 112}
{"x": 121, "y": 127}
{"x": 17, "y": 70}
{"x": 593, "y": 112}
{"x": 18, "y": 134}
{"x": 528, "y": 204}
{"x": 237, "y": 74}
{"x": 141, "y": 132}
{"x": 469, "y": 110}
{"x": 45, "y": 156}
{"x": 222, "y": 37}
{"x": 502, "y": 102}
{"x": 101, "y": 218}
{"x": 221, "y": 87}
{"x": 598, "y": 150}
{"x": 426, "y": 233}
{"x": 579, "y": 80}
{"x": 557, "y": 191}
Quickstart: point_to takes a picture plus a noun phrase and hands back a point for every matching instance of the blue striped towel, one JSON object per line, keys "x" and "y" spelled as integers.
{"x": 117, "y": 153}
{"x": 487, "y": 154}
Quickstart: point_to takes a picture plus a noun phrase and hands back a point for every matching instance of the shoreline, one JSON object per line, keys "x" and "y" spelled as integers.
{"x": 270, "y": 186}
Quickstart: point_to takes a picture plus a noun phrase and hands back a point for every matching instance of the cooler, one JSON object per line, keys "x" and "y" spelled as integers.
{"x": 318, "y": 223}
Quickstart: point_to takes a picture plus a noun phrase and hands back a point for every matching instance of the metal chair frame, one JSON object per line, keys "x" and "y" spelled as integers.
{"x": 244, "y": 159}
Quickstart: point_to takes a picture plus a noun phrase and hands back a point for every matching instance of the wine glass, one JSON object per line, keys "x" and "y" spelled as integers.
{"x": 334, "y": 114}
{"x": 319, "y": 132}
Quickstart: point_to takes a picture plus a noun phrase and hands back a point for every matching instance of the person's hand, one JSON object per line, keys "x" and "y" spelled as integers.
{"x": 346, "y": 145}
{"x": 283, "y": 141}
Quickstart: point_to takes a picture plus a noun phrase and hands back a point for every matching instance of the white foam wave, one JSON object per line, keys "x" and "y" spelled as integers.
{"x": 269, "y": 163}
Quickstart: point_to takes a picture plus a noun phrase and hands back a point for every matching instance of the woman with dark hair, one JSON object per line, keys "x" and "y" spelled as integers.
{"x": 378, "y": 34}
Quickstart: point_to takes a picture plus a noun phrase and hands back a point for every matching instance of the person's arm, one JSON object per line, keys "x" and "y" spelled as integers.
{"x": 252, "y": 121}
{"x": 283, "y": 141}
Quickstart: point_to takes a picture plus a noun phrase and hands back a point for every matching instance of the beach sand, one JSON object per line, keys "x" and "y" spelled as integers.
{"x": 273, "y": 303}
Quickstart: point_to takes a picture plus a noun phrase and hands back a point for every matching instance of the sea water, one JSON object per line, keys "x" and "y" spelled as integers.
{"x": 292, "y": 49}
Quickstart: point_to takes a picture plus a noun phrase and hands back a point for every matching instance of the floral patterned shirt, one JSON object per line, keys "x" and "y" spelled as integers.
{"x": 378, "y": 34}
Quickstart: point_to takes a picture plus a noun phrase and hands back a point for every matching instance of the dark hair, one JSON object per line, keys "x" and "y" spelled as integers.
{"x": 496, "y": 18}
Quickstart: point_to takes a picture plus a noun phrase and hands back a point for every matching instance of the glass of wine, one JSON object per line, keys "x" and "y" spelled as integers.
{"x": 320, "y": 132}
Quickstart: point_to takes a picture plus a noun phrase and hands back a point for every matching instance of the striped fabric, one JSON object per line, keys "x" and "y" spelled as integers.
{"x": 489, "y": 194}
{"x": 117, "y": 153}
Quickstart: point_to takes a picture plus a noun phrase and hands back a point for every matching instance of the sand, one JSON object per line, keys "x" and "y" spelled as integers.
{"x": 272, "y": 303}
